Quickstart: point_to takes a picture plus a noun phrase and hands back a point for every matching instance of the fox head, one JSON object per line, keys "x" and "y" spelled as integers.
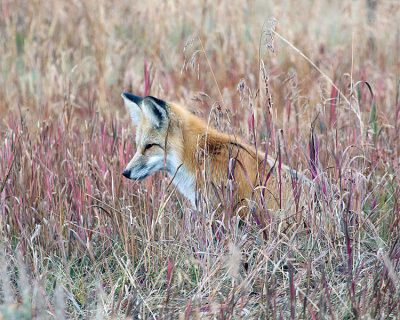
{"x": 151, "y": 118}
{"x": 160, "y": 141}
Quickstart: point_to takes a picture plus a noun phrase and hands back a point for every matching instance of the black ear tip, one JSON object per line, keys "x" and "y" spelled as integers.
{"x": 159, "y": 102}
{"x": 126, "y": 174}
{"x": 131, "y": 97}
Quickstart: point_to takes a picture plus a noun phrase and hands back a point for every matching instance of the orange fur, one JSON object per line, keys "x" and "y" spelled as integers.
{"x": 208, "y": 152}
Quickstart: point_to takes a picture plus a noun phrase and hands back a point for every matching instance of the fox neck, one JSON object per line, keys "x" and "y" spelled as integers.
{"x": 182, "y": 177}
{"x": 182, "y": 157}
{"x": 182, "y": 165}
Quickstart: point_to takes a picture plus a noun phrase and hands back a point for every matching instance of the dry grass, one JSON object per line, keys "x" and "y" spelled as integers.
{"x": 79, "y": 241}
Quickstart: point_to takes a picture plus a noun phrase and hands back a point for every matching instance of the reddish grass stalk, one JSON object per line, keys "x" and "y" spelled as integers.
{"x": 313, "y": 155}
{"x": 350, "y": 279}
{"x": 188, "y": 309}
{"x": 280, "y": 174}
{"x": 333, "y": 99}
{"x": 397, "y": 111}
{"x": 292, "y": 292}
{"x": 313, "y": 315}
{"x": 170, "y": 267}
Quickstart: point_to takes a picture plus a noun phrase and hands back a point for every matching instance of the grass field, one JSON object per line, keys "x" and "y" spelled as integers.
{"x": 316, "y": 81}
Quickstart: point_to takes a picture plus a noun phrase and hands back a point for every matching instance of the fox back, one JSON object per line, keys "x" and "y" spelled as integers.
{"x": 169, "y": 137}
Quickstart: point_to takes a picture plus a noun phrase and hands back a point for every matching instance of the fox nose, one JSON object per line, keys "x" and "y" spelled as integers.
{"x": 126, "y": 173}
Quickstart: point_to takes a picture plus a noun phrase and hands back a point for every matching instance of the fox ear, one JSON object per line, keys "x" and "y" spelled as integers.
{"x": 156, "y": 111}
{"x": 133, "y": 105}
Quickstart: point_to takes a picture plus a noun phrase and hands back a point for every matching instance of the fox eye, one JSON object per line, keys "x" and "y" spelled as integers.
{"x": 148, "y": 146}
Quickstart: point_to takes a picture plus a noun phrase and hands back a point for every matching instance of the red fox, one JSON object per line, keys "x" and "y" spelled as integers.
{"x": 169, "y": 137}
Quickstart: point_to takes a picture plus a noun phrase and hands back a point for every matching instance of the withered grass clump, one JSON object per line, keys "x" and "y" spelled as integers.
{"x": 320, "y": 91}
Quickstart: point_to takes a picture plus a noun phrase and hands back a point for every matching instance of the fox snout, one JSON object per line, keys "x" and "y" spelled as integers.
{"x": 141, "y": 166}
{"x": 133, "y": 176}
{"x": 127, "y": 174}
{"x": 137, "y": 173}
